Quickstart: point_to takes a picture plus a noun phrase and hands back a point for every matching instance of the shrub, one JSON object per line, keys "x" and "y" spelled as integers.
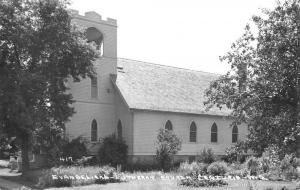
{"x": 237, "y": 169}
{"x": 265, "y": 164}
{"x": 75, "y": 149}
{"x": 240, "y": 172}
{"x": 236, "y": 166}
{"x": 270, "y": 158}
{"x": 207, "y": 156}
{"x": 217, "y": 168}
{"x": 186, "y": 168}
{"x": 6, "y": 148}
{"x": 167, "y": 145}
{"x": 175, "y": 165}
{"x": 194, "y": 180}
{"x": 236, "y": 153}
{"x": 270, "y": 163}
{"x": 289, "y": 166}
{"x": 113, "y": 151}
{"x": 253, "y": 165}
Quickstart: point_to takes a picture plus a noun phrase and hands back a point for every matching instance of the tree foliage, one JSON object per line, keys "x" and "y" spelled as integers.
{"x": 167, "y": 145}
{"x": 263, "y": 86}
{"x": 236, "y": 153}
{"x": 39, "y": 50}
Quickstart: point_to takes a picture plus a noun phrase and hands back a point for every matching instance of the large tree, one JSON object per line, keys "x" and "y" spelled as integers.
{"x": 40, "y": 49}
{"x": 263, "y": 86}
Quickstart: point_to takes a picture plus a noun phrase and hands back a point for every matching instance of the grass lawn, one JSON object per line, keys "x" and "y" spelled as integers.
{"x": 159, "y": 184}
{"x": 155, "y": 184}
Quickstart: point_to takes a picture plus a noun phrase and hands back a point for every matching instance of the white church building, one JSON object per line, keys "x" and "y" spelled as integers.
{"x": 134, "y": 99}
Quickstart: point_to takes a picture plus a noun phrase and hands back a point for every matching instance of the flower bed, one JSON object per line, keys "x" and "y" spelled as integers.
{"x": 196, "y": 180}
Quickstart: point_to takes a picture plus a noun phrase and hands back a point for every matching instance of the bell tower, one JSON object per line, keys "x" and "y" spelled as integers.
{"x": 102, "y": 32}
{"x": 94, "y": 97}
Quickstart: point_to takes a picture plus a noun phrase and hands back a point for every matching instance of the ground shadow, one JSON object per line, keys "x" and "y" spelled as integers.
{"x": 17, "y": 177}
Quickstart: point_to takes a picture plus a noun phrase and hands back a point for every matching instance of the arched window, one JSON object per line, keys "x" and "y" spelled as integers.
{"x": 235, "y": 133}
{"x": 94, "y": 35}
{"x": 94, "y": 131}
{"x": 119, "y": 129}
{"x": 168, "y": 125}
{"x": 214, "y": 133}
{"x": 94, "y": 87}
{"x": 193, "y": 132}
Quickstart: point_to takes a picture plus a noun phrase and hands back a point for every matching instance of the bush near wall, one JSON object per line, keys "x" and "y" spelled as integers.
{"x": 236, "y": 153}
{"x": 186, "y": 168}
{"x": 167, "y": 145}
{"x": 113, "y": 151}
{"x": 217, "y": 168}
{"x": 75, "y": 148}
{"x": 207, "y": 156}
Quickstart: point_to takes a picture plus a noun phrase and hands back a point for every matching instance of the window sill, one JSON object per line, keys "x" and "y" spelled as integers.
{"x": 215, "y": 143}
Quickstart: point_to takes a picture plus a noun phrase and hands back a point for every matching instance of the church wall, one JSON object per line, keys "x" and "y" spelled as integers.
{"x": 126, "y": 116}
{"x": 147, "y": 124}
{"x": 80, "y": 123}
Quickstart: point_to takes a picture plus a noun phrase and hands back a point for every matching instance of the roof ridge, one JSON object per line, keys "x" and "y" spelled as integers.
{"x": 169, "y": 66}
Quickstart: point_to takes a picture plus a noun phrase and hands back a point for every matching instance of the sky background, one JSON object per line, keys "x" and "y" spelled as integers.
{"x": 188, "y": 34}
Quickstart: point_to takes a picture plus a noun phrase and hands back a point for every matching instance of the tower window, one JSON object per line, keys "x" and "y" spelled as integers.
{"x": 94, "y": 87}
{"x": 119, "y": 129}
{"x": 193, "y": 132}
{"x": 94, "y": 35}
{"x": 168, "y": 125}
{"x": 94, "y": 131}
{"x": 235, "y": 133}
{"x": 214, "y": 133}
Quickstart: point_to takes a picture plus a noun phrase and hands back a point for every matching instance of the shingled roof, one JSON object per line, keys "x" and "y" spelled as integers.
{"x": 149, "y": 86}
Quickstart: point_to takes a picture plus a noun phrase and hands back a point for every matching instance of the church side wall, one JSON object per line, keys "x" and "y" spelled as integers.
{"x": 126, "y": 117}
{"x": 80, "y": 124}
{"x": 147, "y": 123}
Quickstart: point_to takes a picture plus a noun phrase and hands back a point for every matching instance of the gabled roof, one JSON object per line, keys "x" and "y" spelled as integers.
{"x": 149, "y": 86}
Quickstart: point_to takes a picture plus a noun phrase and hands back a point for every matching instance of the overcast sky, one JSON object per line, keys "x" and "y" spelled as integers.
{"x": 189, "y": 34}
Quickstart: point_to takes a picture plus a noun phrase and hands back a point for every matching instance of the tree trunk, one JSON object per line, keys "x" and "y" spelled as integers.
{"x": 24, "y": 149}
{"x": 297, "y": 137}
